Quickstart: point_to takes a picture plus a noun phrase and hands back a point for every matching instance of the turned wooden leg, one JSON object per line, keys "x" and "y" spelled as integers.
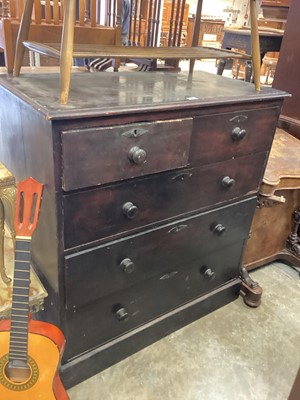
{"x": 255, "y": 45}
{"x": 22, "y": 36}
{"x": 196, "y": 32}
{"x": 66, "y": 52}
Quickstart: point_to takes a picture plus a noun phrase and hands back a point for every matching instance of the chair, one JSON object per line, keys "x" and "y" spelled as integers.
{"x": 45, "y": 20}
{"x": 67, "y": 50}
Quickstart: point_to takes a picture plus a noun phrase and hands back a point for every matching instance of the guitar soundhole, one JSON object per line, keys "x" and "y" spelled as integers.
{"x": 18, "y": 383}
{"x": 17, "y": 374}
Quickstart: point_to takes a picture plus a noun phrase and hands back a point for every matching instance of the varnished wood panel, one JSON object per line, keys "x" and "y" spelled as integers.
{"x": 97, "y": 323}
{"x": 156, "y": 252}
{"x": 98, "y": 213}
{"x": 214, "y": 139}
{"x": 96, "y": 156}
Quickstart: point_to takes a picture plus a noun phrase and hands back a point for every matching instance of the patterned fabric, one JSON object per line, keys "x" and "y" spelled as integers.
{"x": 100, "y": 64}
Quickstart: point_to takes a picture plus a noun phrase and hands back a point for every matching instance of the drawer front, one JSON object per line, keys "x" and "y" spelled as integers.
{"x": 106, "y": 319}
{"x": 118, "y": 265}
{"x": 118, "y": 209}
{"x": 223, "y": 136}
{"x": 92, "y": 157}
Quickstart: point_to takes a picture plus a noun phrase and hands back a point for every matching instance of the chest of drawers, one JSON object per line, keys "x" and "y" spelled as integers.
{"x": 150, "y": 188}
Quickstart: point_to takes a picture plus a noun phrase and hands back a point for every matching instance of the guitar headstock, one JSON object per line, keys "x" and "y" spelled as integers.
{"x": 29, "y": 198}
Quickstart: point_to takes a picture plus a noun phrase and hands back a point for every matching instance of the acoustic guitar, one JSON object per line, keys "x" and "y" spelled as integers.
{"x": 30, "y": 350}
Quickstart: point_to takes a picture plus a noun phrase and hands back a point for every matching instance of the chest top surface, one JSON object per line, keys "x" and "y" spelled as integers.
{"x": 93, "y": 95}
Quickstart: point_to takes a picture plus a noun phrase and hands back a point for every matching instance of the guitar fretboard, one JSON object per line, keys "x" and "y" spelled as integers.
{"x": 18, "y": 346}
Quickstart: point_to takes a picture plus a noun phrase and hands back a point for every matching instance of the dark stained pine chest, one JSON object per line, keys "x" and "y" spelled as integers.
{"x": 151, "y": 182}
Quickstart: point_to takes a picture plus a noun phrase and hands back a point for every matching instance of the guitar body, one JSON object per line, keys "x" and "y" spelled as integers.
{"x": 45, "y": 347}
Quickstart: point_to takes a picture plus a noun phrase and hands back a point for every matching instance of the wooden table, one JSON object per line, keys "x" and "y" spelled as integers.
{"x": 275, "y": 232}
{"x": 240, "y": 39}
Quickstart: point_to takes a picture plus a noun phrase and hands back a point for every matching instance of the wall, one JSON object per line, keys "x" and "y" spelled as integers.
{"x": 215, "y": 10}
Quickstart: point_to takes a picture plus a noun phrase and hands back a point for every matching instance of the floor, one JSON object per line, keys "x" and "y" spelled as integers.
{"x": 234, "y": 353}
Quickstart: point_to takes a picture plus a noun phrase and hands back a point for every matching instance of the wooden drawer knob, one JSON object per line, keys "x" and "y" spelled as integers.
{"x": 130, "y": 210}
{"x": 208, "y": 273}
{"x": 127, "y": 266}
{"x": 137, "y": 155}
{"x": 228, "y": 182}
{"x": 122, "y": 315}
{"x": 218, "y": 229}
{"x": 238, "y": 134}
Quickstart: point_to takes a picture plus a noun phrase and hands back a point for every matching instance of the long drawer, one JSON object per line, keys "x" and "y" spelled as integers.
{"x": 112, "y": 316}
{"x": 121, "y": 208}
{"x": 226, "y": 135}
{"x": 92, "y": 157}
{"x": 118, "y": 265}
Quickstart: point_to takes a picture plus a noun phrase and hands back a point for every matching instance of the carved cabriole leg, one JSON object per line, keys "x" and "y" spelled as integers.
{"x": 251, "y": 291}
{"x": 8, "y": 196}
{"x": 293, "y": 242}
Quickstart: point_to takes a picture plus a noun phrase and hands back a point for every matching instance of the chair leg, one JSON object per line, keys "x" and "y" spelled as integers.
{"x": 255, "y": 45}
{"x": 22, "y": 36}
{"x": 66, "y": 52}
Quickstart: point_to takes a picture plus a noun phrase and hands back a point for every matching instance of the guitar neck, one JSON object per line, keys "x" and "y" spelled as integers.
{"x": 18, "y": 346}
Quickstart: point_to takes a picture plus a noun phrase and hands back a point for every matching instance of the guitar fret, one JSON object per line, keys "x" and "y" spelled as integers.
{"x": 22, "y": 343}
{"x": 19, "y": 317}
{"x": 21, "y": 358}
{"x": 13, "y": 335}
{"x": 24, "y": 347}
{"x": 23, "y": 279}
{"x": 21, "y": 328}
{"x": 19, "y": 301}
{"x": 21, "y": 285}
{"x": 19, "y": 322}
{"x": 17, "y": 352}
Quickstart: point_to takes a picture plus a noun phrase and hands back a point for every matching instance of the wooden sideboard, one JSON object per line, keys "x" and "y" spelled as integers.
{"x": 151, "y": 182}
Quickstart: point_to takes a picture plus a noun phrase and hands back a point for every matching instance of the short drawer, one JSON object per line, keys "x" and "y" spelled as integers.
{"x": 121, "y": 312}
{"x": 92, "y": 157}
{"x": 118, "y": 265}
{"x": 223, "y": 136}
{"x": 121, "y": 208}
